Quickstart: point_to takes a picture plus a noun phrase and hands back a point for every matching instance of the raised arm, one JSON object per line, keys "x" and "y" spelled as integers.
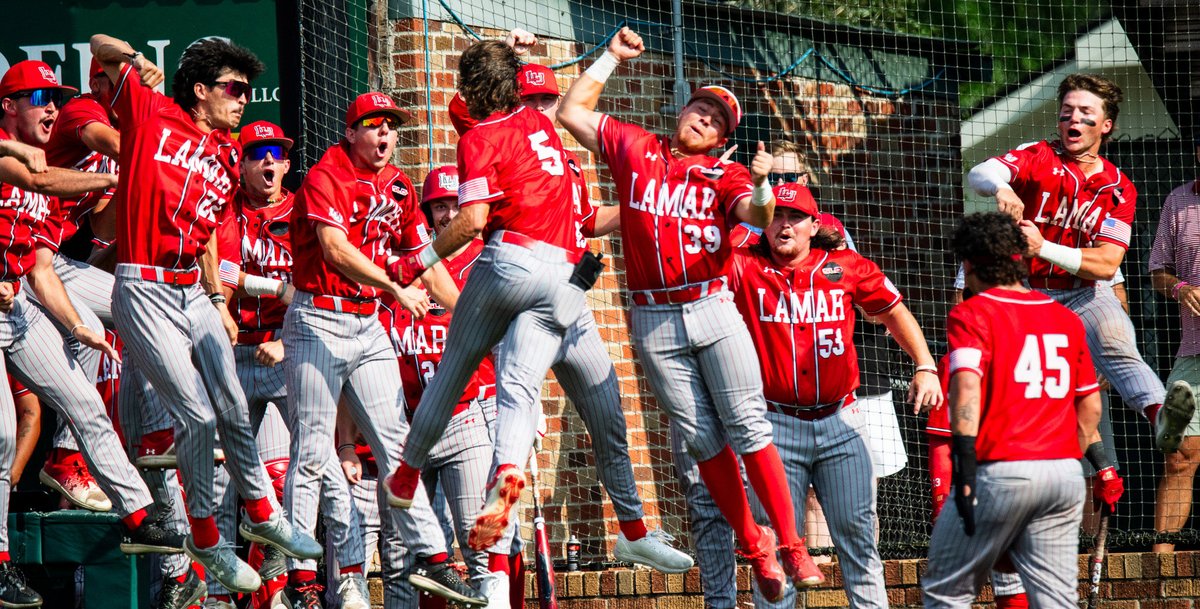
{"x": 577, "y": 112}
{"x": 111, "y": 53}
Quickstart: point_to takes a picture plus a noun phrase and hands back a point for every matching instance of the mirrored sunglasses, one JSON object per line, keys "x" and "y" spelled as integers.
{"x": 42, "y": 97}
{"x": 259, "y": 152}
{"x": 234, "y": 88}
{"x": 789, "y": 177}
{"x": 373, "y": 122}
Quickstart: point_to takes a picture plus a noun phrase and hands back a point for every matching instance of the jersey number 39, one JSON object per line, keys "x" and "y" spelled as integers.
{"x": 1041, "y": 369}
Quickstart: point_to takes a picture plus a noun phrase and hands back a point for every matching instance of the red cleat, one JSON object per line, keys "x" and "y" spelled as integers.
{"x": 493, "y": 519}
{"x": 401, "y": 485}
{"x": 767, "y": 572}
{"x": 800, "y": 566}
{"x": 71, "y": 478}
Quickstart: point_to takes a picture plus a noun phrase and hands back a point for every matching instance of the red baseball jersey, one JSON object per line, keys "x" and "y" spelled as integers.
{"x": 66, "y": 149}
{"x": 256, "y": 240}
{"x": 1034, "y": 363}
{"x": 108, "y": 380}
{"x": 419, "y": 343}
{"x": 677, "y": 211}
{"x": 802, "y": 320}
{"x": 515, "y": 163}
{"x": 939, "y": 418}
{"x": 1069, "y": 208}
{"x": 17, "y": 387}
{"x": 377, "y": 211}
{"x": 24, "y": 218}
{"x": 176, "y": 180}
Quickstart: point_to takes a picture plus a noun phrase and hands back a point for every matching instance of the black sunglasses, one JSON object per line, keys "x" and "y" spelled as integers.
{"x": 41, "y": 97}
{"x": 234, "y": 88}
{"x": 260, "y": 151}
{"x": 789, "y": 177}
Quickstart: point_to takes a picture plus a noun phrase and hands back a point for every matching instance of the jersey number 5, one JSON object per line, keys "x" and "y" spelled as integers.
{"x": 1050, "y": 374}
{"x": 550, "y": 157}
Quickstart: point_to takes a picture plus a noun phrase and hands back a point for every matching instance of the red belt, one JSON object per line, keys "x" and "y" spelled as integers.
{"x": 688, "y": 293}
{"x": 1060, "y": 283}
{"x": 529, "y": 243}
{"x": 808, "y": 413}
{"x": 256, "y": 337}
{"x": 161, "y": 275}
{"x": 345, "y": 305}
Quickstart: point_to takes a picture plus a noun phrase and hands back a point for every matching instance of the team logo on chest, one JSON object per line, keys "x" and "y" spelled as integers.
{"x": 832, "y": 271}
{"x": 805, "y": 307}
{"x": 399, "y": 191}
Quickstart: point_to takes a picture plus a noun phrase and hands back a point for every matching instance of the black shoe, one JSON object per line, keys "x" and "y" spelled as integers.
{"x": 181, "y": 595}
{"x": 304, "y": 596}
{"x": 13, "y": 591}
{"x": 274, "y": 562}
{"x": 151, "y": 538}
{"x": 440, "y": 579}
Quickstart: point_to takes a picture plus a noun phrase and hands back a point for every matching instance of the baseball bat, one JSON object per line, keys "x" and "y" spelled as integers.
{"x": 1096, "y": 564}
{"x": 547, "y": 599}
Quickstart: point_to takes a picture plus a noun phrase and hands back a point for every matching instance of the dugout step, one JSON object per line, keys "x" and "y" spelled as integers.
{"x": 49, "y": 546}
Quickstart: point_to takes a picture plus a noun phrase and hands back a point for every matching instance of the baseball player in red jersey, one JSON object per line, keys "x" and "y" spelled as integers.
{"x": 797, "y": 294}
{"x": 677, "y": 206}
{"x": 256, "y": 270}
{"x": 180, "y": 171}
{"x": 1023, "y": 405}
{"x": 29, "y": 99}
{"x": 1076, "y": 210}
{"x": 354, "y": 209}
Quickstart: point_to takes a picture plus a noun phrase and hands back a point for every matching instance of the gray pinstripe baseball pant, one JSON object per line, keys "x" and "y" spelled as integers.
{"x": 586, "y": 373}
{"x": 331, "y": 354}
{"x": 1113, "y": 344}
{"x": 1032, "y": 509}
{"x": 395, "y": 559}
{"x": 712, "y": 537}
{"x": 175, "y": 338}
{"x": 38, "y": 358}
{"x": 701, "y": 365}
{"x": 507, "y": 283}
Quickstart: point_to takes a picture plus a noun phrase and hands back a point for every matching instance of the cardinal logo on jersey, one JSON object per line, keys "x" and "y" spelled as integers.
{"x": 833, "y": 271}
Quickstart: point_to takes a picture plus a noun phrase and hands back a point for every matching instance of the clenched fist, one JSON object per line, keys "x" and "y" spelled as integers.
{"x": 626, "y": 45}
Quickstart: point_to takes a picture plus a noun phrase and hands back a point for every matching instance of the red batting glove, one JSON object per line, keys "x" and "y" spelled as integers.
{"x": 1107, "y": 488}
{"x": 405, "y": 269}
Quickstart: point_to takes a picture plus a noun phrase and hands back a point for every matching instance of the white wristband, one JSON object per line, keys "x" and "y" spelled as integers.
{"x": 603, "y": 67}
{"x": 256, "y": 285}
{"x": 1068, "y": 258}
{"x": 429, "y": 256}
{"x": 762, "y": 194}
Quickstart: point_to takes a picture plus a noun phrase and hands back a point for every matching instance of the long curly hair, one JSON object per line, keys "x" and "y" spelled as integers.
{"x": 994, "y": 246}
{"x": 487, "y": 78}
{"x": 203, "y": 62}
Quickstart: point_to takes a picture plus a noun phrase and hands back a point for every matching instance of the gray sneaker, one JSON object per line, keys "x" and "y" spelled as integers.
{"x": 222, "y": 563}
{"x": 352, "y": 589}
{"x": 1174, "y": 416}
{"x": 279, "y": 533}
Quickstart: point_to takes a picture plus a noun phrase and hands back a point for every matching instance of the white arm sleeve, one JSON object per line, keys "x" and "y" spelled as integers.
{"x": 988, "y": 177}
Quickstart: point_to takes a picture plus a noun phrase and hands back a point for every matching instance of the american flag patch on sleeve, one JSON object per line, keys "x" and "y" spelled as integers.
{"x": 230, "y": 273}
{"x": 1116, "y": 230}
{"x": 474, "y": 190}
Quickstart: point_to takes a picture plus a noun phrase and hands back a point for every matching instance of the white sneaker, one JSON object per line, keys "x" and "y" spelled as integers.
{"x": 278, "y": 532}
{"x": 495, "y": 586}
{"x": 216, "y": 603}
{"x": 654, "y": 551}
{"x": 1174, "y": 416}
{"x": 352, "y": 589}
{"x": 222, "y": 563}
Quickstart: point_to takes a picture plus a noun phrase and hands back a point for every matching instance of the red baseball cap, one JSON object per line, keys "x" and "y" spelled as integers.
{"x": 536, "y": 79}
{"x": 726, "y": 101}
{"x": 374, "y": 103}
{"x": 441, "y": 183}
{"x": 95, "y": 69}
{"x": 830, "y": 220}
{"x": 263, "y": 132}
{"x": 798, "y": 197}
{"x": 28, "y": 75}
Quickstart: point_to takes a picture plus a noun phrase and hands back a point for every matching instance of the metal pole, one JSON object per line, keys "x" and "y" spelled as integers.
{"x": 682, "y": 89}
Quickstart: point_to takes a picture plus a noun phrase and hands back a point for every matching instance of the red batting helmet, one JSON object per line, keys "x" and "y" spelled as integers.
{"x": 441, "y": 183}
{"x": 798, "y": 197}
{"x": 726, "y": 101}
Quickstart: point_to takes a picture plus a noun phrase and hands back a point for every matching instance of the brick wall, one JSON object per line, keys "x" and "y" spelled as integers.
{"x": 885, "y": 156}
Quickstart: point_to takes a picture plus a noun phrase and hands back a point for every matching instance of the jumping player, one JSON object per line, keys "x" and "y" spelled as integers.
{"x": 352, "y": 211}
{"x": 180, "y": 171}
{"x": 693, "y": 344}
{"x": 1076, "y": 210}
{"x": 1023, "y": 406}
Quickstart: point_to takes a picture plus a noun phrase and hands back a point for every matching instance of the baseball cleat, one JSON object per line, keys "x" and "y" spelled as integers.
{"x": 353, "y": 592}
{"x": 767, "y": 572}
{"x": 71, "y": 478}
{"x": 216, "y": 603}
{"x": 304, "y": 596}
{"x": 654, "y": 551}
{"x": 1174, "y": 416}
{"x": 221, "y": 562}
{"x": 800, "y": 566}
{"x": 495, "y": 587}
{"x": 14, "y": 592}
{"x": 401, "y": 485}
{"x": 279, "y": 533}
{"x": 176, "y": 594}
{"x": 440, "y": 579}
{"x": 274, "y": 562}
{"x": 493, "y": 519}
{"x": 151, "y": 538}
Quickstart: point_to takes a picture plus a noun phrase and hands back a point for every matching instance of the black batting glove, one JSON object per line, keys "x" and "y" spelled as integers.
{"x": 962, "y": 459}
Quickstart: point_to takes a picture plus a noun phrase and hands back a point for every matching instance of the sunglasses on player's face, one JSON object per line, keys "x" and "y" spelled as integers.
{"x": 233, "y": 88}
{"x": 787, "y": 177}
{"x": 42, "y": 97}
{"x": 260, "y": 152}
{"x": 373, "y": 122}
